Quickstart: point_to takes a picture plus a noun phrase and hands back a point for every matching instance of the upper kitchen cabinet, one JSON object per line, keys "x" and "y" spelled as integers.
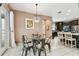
{"x": 72, "y": 23}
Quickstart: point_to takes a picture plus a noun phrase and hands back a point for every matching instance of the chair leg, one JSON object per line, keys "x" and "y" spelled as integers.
{"x": 39, "y": 52}
{"x": 23, "y": 52}
{"x": 75, "y": 43}
{"x": 68, "y": 43}
{"x": 45, "y": 51}
{"x": 71, "y": 44}
{"x": 26, "y": 52}
{"x": 49, "y": 47}
{"x": 65, "y": 43}
{"x": 34, "y": 51}
{"x": 62, "y": 41}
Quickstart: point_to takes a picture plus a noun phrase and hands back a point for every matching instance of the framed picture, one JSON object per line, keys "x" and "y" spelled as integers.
{"x": 29, "y": 24}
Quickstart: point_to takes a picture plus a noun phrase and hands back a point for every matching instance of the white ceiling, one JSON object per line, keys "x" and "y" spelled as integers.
{"x": 69, "y": 10}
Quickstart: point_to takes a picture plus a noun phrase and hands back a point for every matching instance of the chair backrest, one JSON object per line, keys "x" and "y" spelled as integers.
{"x": 42, "y": 42}
{"x": 68, "y": 35}
{"x": 44, "y": 36}
{"x": 36, "y": 36}
{"x": 48, "y": 40}
{"x": 24, "y": 39}
{"x": 60, "y": 34}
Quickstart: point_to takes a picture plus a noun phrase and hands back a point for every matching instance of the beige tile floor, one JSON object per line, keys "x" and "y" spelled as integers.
{"x": 60, "y": 51}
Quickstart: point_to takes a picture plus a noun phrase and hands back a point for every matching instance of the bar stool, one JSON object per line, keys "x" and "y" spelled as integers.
{"x": 68, "y": 37}
{"x": 61, "y": 37}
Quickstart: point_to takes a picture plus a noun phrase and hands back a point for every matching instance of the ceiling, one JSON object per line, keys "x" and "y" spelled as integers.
{"x": 58, "y": 11}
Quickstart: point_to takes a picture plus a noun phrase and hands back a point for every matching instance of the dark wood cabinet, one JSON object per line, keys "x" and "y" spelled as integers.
{"x": 75, "y": 22}
{"x": 72, "y": 23}
{"x": 66, "y": 23}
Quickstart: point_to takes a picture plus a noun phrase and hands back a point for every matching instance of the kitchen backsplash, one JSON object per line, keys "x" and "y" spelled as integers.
{"x": 76, "y": 28}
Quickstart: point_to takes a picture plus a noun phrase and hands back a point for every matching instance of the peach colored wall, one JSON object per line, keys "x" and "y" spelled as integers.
{"x": 48, "y": 28}
{"x": 20, "y": 30}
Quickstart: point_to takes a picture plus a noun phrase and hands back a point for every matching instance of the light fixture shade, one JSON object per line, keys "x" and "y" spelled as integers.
{"x": 36, "y": 19}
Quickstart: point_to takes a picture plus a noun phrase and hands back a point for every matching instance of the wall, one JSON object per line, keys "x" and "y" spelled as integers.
{"x": 48, "y": 28}
{"x": 20, "y": 30}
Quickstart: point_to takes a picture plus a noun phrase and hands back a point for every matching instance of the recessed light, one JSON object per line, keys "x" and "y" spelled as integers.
{"x": 59, "y": 12}
{"x": 69, "y": 10}
{"x": 67, "y": 14}
{"x": 64, "y": 18}
{"x": 76, "y": 16}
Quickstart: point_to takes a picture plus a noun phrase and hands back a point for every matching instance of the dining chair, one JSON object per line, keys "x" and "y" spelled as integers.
{"x": 27, "y": 45}
{"x": 48, "y": 42}
{"x": 38, "y": 44}
{"x": 71, "y": 41}
{"x": 35, "y": 39}
{"x": 35, "y": 43}
{"x": 41, "y": 47}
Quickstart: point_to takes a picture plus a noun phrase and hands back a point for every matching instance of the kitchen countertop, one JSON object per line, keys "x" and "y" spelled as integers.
{"x": 75, "y": 33}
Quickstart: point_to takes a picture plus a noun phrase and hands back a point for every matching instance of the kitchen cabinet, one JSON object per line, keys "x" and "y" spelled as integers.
{"x": 75, "y": 22}
{"x": 71, "y": 23}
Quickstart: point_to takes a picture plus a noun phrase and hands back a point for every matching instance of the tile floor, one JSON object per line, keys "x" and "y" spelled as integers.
{"x": 60, "y": 51}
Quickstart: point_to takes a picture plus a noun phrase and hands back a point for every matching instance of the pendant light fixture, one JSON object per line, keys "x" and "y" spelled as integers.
{"x": 36, "y": 17}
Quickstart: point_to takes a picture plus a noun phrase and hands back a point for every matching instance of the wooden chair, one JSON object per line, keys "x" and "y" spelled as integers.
{"x": 26, "y": 45}
{"x": 47, "y": 42}
{"x": 41, "y": 47}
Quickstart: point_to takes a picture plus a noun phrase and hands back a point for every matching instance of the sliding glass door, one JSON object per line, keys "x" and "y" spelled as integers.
{"x": 4, "y": 29}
